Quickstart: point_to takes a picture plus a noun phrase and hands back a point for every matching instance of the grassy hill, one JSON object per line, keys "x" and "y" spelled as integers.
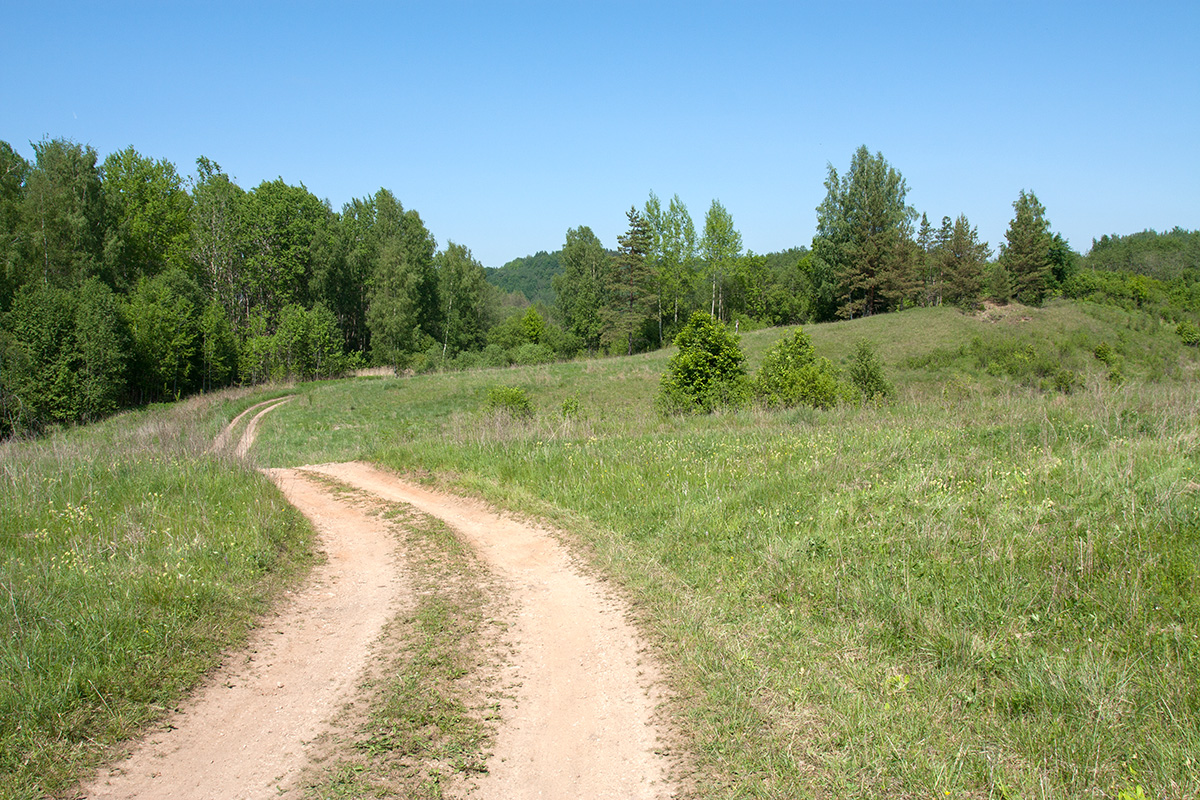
{"x": 989, "y": 588}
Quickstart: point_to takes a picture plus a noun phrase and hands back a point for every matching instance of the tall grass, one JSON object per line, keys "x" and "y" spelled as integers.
{"x": 999, "y": 597}
{"x": 129, "y": 559}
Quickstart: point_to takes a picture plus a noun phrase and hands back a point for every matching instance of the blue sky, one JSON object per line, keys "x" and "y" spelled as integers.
{"x": 505, "y": 124}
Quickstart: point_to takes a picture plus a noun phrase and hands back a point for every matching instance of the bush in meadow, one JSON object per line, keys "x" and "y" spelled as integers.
{"x": 866, "y": 373}
{"x": 793, "y": 375}
{"x": 511, "y": 400}
{"x": 708, "y": 372}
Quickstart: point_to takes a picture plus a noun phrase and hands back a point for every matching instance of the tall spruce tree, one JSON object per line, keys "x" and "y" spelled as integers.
{"x": 1025, "y": 255}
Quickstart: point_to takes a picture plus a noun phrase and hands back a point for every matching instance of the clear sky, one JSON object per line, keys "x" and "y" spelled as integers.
{"x": 505, "y": 124}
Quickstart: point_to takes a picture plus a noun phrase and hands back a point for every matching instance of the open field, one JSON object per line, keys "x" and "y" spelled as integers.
{"x": 987, "y": 589}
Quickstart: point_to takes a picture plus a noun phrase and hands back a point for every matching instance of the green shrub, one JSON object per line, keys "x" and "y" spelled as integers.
{"x": 493, "y": 356}
{"x": 707, "y": 373}
{"x": 530, "y": 354}
{"x": 572, "y": 408}
{"x": 792, "y": 375}
{"x": 866, "y": 373}
{"x": 1067, "y": 381}
{"x": 511, "y": 400}
{"x": 1189, "y": 332}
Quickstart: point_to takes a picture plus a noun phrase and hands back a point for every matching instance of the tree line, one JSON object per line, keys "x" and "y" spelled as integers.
{"x": 123, "y": 282}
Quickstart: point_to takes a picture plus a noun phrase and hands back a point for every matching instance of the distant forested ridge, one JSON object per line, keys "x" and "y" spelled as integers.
{"x": 124, "y": 281}
{"x": 1165, "y": 256}
{"x": 532, "y": 276}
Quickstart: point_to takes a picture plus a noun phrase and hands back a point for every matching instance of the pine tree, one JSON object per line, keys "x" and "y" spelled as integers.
{"x": 630, "y": 290}
{"x": 931, "y": 271}
{"x": 963, "y": 260}
{"x": 863, "y": 232}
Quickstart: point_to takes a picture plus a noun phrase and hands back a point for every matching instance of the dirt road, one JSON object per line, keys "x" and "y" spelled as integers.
{"x": 579, "y": 725}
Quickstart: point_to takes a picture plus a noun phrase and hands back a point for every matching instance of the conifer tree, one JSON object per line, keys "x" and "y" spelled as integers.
{"x": 1025, "y": 255}
{"x": 963, "y": 259}
{"x": 863, "y": 233}
{"x": 630, "y": 287}
{"x": 930, "y": 282}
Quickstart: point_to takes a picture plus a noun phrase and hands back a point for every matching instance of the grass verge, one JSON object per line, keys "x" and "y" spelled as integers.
{"x": 130, "y": 558}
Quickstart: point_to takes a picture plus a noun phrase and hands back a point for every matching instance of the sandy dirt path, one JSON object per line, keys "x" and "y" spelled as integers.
{"x": 244, "y": 734}
{"x": 582, "y": 722}
{"x": 579, "y": 725}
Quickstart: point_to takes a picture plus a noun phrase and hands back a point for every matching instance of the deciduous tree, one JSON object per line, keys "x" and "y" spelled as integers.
{"x": 283, "y": 225}
{"x": 163, "y": 317}
{"x": 462, "y": 292}
{"x": 149, "y": 226}
{"x": 14, "y": 170}
{"x": 721, "y": 248}
{"x": 62, "y": 214}
{"x": 218, "y": 240}
{"x": 580, "y": 286}
{"x": 404, "y": 311}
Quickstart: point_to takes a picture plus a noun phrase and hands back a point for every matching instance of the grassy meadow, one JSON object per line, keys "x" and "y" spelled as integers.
{"x": 989, "y": 588}
{"x": 130, "y": 558}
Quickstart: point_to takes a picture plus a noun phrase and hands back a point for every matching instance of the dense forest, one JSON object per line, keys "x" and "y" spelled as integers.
{"x": 123, "y": 282}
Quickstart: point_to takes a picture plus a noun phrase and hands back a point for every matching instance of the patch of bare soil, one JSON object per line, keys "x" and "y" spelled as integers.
{"x": 579, "y": 722}
{"x": 1011, "y": 313}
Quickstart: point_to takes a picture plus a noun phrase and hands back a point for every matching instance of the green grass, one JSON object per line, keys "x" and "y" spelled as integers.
{"x": 129, "y": 559}
{"x": 989, "y": 588}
